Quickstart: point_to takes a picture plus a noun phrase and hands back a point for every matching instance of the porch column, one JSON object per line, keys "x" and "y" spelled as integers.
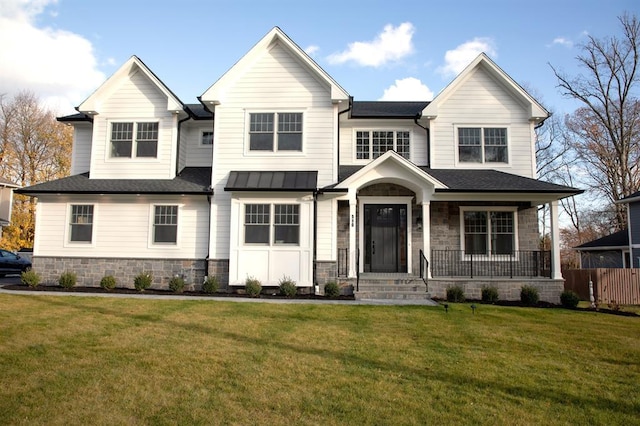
{"x": 426, "y": 233}
{"x": 556, "y": 273}
{"x": 352, "y": 237}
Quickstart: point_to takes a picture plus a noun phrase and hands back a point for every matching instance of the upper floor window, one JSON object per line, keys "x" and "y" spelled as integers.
{"x": 165, "y": 225}
{"x": 81, "y": 223}
{"x": 259, "y": 221}
{"x": 145, "y": 143}
{"x": 482, "y": 145}
{"x": 372, "y": 144}
{"x": 275, "y": 131}
{"x": 206, "y": 138}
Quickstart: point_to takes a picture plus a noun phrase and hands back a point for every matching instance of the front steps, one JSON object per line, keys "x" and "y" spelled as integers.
{"x": 391, "y": 287}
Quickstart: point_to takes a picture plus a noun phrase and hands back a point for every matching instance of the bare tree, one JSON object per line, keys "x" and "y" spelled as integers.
{"x": 605, "y": 129}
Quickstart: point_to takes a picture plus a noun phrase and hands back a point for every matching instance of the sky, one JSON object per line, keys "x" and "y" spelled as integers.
{"x": 62, "y": 50}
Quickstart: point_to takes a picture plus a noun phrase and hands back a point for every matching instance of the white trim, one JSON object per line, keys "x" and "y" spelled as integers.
{"x": 274, "y": 152}
{"x": 385, "y": 200}
{"x": 67, "y": 230}
{"x": 489, "y": 256}
{"x": 482, "y": 164}
{"x": 163, "y": 246}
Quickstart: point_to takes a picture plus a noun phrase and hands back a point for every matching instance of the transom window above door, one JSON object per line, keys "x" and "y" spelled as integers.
{"x": 275, "y": 131}
{"x": 371, "y": 144}
{"x": 134, "y": 139}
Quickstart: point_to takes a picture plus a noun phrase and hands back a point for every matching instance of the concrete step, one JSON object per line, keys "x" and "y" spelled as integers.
{"x": 395, "y": 295}
{"x": 391, "y": 288}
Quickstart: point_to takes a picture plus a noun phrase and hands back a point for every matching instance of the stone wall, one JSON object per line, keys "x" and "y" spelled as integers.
{"x": 91, "y": 270}
{"x": 326, "y": 272}
{"x": 219, "y": 268}
{"x": 508, "y": 289}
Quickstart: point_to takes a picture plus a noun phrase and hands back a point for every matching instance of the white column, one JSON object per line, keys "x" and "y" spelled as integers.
{"x": 352, "y": 237}
{"x": 556, "y": 274}
{"x": 426, "y": 233}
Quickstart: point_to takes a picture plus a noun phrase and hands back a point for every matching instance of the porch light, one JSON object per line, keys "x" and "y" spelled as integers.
{"x": 419, "y": 222}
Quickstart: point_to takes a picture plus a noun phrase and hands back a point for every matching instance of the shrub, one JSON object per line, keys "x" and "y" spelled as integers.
{"x": 142, "y": 281}
{"x": 455, "y": 294}
{"x": 30, "y": 278}
{"x": 108, "y": 282}
{"x": 569, "y": 299}
{"x": 287, "y": 287}
{"x": 67, "y": 280}
{"x": 210, "y": 285}
{"x": 176, "y": 284}
{"x": 253, "y": 287}
{"x": 489, "y": 294}
{"x": 331, "y": 289}
{"x": 529, "y": 295}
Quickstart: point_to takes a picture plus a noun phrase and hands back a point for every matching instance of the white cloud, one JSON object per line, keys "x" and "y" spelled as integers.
{"x": 407, "y": 89}
{"x": 311, "y": 50}
{"x": 393, "y": 44}
{"x": 457, "y": 59}
{"x": 58, "y": 66}
{"x": 562, "y": 41}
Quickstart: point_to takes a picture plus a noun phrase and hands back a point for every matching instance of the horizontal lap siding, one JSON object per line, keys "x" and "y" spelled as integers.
{"x": 136, "y": 99}
{"x": 122, "y": 226}
{"x": 275, "y": 82}
{"x": 81, "y": 156}
{"x": 325, "y": 235}
{"x": 482, "y": 101}
{"x": 196, "y": 155}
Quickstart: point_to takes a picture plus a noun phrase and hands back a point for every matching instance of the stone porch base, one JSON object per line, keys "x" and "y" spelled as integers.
{"x": 508, "y": 288}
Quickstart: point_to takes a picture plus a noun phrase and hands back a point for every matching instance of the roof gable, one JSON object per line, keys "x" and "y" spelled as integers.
{"x": 215, "y": 94}
{"x": 535, "y": 111}
{"x": 92, "y": 104}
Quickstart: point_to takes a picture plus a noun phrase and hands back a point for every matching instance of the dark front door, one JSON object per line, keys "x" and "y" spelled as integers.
{"x": 385, "y": 237}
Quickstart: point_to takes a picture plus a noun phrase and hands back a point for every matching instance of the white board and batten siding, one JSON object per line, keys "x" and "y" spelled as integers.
{"x": 275, "y": 82}
{"x": 122, "y": 227}
{"x": 482, "y": 101}
{"x": 135, "y": 99}
{"x": 81, "y": 151}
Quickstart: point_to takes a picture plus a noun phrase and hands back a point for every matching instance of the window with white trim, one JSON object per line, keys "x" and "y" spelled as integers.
{"x": 271, "y": 131}
{"x": 272, "y": 224}
{"x": 206, "y": 138}
{"x": 144, "y": 144}
{"x": 165, "y": 224}
{"x": 371, "y": 144}
{"x": 482, "y": 145}
{"x": 488, "y": 232}
{"x": 81, "y": 223}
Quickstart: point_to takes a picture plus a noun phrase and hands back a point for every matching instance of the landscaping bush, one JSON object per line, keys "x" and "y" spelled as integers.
{"x": 569, "y": 299}
{"x": 108, "y": 282}
{"x": 67, "y": 280}
{"x": 30, "y": 278}
{"x": 210, "y": 285}
{"x": 331, "y": 289}
{"x": 287, "y": 287}
{"x": 489, "y": 294}
{"x": 142, "y": 281}
{"x": 455, "y": 294}
{"x": 529, "y": 295}
{"x": 253, "y": 287}
{"x": 176, "y": 284}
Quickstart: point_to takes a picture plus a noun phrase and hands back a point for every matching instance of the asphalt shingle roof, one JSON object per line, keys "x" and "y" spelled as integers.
{"x": 191, "y": 180}
{"x": 381, "y": 109}
{"x": 617, "y": 239}
{"x": 272, "y": 181}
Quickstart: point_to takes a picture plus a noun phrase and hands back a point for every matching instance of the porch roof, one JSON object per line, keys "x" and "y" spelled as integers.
{"x": 301, "y": 181}
{"x": 382, "y": 109}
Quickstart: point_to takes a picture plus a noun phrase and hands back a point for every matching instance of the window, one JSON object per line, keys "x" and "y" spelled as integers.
{"x": 488, "y": 232}
{"x": 373, "y": 144}
{"x": 207, "y": 138}
{"x": 81, "y": 223}
{"x": 165, "y": 225}
{"x": 146, "y": 139}
{"x": 285, "y": 220}
{"x": 482, "y": 145}
{"x": 262, "y": 136}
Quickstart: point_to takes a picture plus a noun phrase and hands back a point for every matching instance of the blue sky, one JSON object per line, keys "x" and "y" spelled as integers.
{"x": 393, "y": 50}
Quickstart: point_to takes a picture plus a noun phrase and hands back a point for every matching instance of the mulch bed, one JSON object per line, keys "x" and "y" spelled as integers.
{"x": 156, "y": 292}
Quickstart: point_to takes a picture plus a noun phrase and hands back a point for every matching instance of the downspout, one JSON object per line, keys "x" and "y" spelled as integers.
{"x": 339, "y": 114}
{"x": 428, "y": 132}
{"x": 178, "y": 142}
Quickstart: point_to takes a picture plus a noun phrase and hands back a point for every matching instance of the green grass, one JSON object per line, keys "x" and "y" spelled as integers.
{"x": 85, "y": 360}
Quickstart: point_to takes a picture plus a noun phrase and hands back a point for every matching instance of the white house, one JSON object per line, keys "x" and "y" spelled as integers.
{"x": 279, "y": 172}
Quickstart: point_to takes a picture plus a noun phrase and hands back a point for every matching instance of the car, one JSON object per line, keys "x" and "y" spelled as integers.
{"x": 12, "y": 263}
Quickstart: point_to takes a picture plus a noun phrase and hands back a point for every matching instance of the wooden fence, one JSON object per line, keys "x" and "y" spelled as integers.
{"x": 617, "y": 285}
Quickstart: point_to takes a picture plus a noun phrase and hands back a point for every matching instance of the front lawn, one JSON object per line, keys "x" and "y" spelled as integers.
{"x": 89, "y": 360}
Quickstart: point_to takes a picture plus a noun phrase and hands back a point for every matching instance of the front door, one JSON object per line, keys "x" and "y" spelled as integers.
{"x": 385, "y": 237}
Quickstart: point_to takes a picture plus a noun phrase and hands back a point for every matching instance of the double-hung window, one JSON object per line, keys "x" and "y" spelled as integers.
{"x": 488, "y": 232}
{"x": 206, "y": 138}
{"x": 165, "y": 225}
{"x": 273, "y": 131}
{"x": 272, "y": 224}
{"x": 482, "y": 145}
{"x": 139, "y": 138}
{"x": 81, "y": 224}
{"x": 371, "y": 144}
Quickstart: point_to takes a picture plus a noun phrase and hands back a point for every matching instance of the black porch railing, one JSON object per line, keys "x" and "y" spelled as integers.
{"x": 424, "y": 266}
{"x": 521, "y": 263}
{"x": 343, "y": 262}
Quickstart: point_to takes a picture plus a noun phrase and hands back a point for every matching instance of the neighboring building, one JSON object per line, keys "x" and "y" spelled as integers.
{"x": 279, "y": 172}
{"x": 6, "y": 202}
{"x": 620, "y": 249}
